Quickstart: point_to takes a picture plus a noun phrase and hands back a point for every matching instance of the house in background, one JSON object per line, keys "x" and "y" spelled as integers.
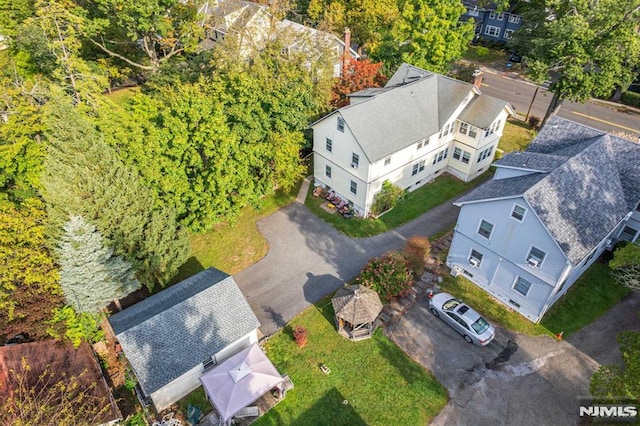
{"x": 489, "y": 24}
{"x": 418, "y": 126}
{"x": 171, "y": 338}
{"x": 253, "y": 25}
{"x": 548, "y": 213}
{"x": 60, "y": 361}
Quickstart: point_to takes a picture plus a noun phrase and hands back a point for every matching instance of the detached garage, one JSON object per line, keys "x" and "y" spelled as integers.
{"x": 171, "y": 338}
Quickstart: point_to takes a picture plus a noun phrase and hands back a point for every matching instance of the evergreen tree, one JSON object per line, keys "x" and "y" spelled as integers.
{"x": 90, "y": 275}
{"x": 83, "y": 176}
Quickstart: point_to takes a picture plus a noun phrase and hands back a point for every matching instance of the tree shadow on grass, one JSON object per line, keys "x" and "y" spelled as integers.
{"x": 409, "y": 370}
{"x": 331, "y": 409}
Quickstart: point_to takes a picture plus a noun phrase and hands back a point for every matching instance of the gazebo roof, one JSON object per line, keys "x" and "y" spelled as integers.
{"x": 356, "y": 304}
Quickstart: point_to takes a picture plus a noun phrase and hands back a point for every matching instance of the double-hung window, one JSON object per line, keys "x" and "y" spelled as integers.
{"x": 535, "y": 257}
{"x": 327, "y": 171}
{"x": 464, "y": 128}
{"x": 485, "y": 229}
{"x": 475, "y": 258}
{"x": 354, "y": 187}
{"x": 518, "y": 212}
{"x": 417, "y": 168}
{"x": 522, "y": 286}
{"x": 328, "y": 144}
{"x": 355, "y": 160}
{"x": 341, "y": 124}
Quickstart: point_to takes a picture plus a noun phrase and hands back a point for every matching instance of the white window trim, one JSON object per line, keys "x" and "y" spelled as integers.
{"x": 514, "y": 19}
{"x": 513, "y": 287}
{"x": 327, "y": 168}
{"x": 474, "y": 12}
{"x": 351, "y": 187}
{"x": 493, "y": 227}
{"x": 355, "y": 160}
{"x": 530, "y": 258}
{"x": 328, "y": 144}
{"x": 524, "y": 215}
{"x": 487, "y": 32}
{"x": 507, "y": 33}
{"x": 471, "y": 256}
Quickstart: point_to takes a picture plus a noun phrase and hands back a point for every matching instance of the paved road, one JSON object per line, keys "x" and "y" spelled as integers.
{"x": 518, "y": 93}
{"x": 309, "y": 259}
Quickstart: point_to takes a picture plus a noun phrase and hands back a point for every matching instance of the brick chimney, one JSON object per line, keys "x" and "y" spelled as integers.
{"x": 347, "y": 41}
{"x": 476, "y": 78}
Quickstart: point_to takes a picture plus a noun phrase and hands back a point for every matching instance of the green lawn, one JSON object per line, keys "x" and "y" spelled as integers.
{"x": 122, "y": 96}
{"x": 588, "y": 299}
{"x": 379, "y": 382}
{"x": 494, "y": 311}
{"x": 483, "y": 55}
{"x": 516, "y": 136}
{"x": 232, "y": 247}
{"x": 417, "y": 203}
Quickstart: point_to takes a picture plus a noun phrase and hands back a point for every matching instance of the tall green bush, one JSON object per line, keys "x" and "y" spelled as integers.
{"x": 387, "y": 198}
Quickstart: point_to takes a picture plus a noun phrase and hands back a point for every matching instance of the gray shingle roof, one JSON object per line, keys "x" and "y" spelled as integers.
{"x": 581, "y": 199}
{"x": 503, "y": 188}
{"x": 482, "y": 111}
{"x": 532, "y": 161}
{"x": 169, "y": 333}
{"x": 415, "y": 105}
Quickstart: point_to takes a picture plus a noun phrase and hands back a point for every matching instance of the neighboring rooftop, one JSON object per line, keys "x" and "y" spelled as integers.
{"x": 61, "y": 361}
{"x": 583, "y": 182}
{"x": 413, "y": 105}
{"x": 169, "y": 333}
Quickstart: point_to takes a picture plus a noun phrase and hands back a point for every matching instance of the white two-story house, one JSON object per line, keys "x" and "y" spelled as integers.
{"x": 548, "y": 213}
{"x": 409, "y": 132}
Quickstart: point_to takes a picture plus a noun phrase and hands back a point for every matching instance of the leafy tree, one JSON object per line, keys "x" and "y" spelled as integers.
{"x": 90, "y": 276}
{"x": 144, "y": 33}
{"x": 84, "y": 177}
{"x": 29, "y": 286}
{"x": 356, "y": 75}
{"x": 387, "y": 198}
{"x": 626, "y": 265}
{"x": 12, "y": 14}
{"x": 613, "y": 381}
{"x": 50, "y": 399}
{"x": 367, "y": 19}
{"x": 428, "y": 34}
{"x": 22, "y": 149}
{"x": 388, "y": 275}
{"x": 61, "y": 23}
{"x": 212, "y": 147}
{"x": 586, "y": 48}
{"x": 416, "y": 252}
{"x": 76, "y": 327}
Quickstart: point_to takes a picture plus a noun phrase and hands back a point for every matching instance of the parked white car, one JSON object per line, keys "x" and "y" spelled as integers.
{"x": 462, "y": 318}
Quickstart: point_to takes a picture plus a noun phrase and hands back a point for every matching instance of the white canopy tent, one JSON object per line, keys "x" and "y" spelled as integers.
{"x": 240, "y": 380}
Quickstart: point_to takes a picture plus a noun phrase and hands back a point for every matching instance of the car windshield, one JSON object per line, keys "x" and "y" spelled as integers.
{"x": 450, "y": 304}
{"x": 480, "y": 326}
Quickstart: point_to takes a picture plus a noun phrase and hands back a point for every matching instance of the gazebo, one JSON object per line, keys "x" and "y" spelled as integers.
{"x": 241, "y": 380}
{"x": 356, "y": 308}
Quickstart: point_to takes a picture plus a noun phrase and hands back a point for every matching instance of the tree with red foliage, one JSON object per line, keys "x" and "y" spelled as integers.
{"x": 356, "y": 75}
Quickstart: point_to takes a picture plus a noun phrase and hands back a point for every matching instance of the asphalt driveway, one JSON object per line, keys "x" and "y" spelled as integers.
{"x": 540, "y": 383}
{"x": 308, "y": 259}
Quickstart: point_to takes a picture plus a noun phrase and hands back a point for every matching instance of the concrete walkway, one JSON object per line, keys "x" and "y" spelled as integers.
{"x": 308, "y": 259}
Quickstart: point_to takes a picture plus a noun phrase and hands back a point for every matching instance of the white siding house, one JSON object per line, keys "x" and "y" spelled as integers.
{"x": 171, "y": 338}
{"x": 548, "y": 213}
{"x": 412, "y": 130}
{"x": 252, "y": 25}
